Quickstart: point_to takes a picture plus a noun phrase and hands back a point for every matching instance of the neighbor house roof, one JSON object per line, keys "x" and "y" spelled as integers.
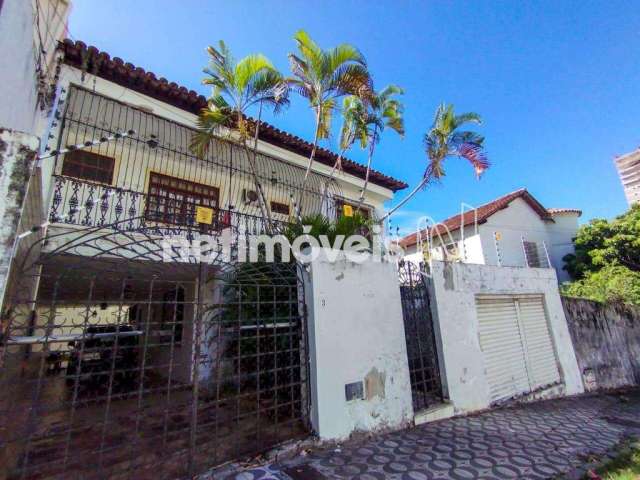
{"x": 98, "y": 63}
{"x": 483, "y": 212}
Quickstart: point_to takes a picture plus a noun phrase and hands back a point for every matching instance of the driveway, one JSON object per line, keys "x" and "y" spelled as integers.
{"x": 539, "y": 440}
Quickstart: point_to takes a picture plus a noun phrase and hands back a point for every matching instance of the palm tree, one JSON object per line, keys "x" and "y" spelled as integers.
{"x": 238, "y": 86}
{"x": 352, "y": 129}
{"x": 322, "y": 76}
{"x": 445, "y": 140}
{"x": 379, "y": 111}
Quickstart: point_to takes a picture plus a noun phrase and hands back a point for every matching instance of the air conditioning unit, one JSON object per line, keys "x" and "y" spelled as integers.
{"x": 250, "y": 197}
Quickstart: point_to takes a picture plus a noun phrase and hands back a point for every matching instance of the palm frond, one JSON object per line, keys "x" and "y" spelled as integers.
{"x": 208, "y": 124}
{"x": 248, "y": 68}
{"x": 326, "y": 114}
{"x": 338, "y": 56}
{"x": 350, "y": 79}
{"x": 309, "y": 50}
{"x": 476, "y": 155}
{"x": 469, "y": 117}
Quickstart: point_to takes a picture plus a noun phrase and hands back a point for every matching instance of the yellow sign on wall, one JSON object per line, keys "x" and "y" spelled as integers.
{"x": 204, "y": 215}
{"x": 347, "y": 210}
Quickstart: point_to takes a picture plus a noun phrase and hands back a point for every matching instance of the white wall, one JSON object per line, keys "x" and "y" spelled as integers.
{"x": 520, "y": 220}
{"x": 18, "y": 86}
{"x": 24, "y": 47}
{"x": 454, "y": 287}
{"x": 356, "y": 334}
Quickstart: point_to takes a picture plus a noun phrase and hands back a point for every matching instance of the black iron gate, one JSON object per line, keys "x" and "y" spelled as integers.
{"x": 422, "y": 353}
{"x": 122, "y": 366}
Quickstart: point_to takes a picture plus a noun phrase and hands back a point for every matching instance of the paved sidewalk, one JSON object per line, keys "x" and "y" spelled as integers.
{"x": 536, "y": 441}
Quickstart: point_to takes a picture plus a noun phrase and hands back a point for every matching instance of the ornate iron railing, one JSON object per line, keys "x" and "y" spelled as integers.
{"x": 82, "y": 203}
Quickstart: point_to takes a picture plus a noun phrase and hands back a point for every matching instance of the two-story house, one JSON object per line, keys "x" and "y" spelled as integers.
{"x": 126, "y": 357}
{"x": 515, "y": 230}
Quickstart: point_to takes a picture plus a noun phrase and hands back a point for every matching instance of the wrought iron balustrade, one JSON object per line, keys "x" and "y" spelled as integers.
{"x": 87, "y": 204}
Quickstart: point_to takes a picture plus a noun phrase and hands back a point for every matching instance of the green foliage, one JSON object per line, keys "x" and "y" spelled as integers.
{"x": 321, "y": 76}
{"x": 613, "y": 283}
{"x": 236, "y": 87}
{"x": 625, "y": 465}
{"x": 321, "y": 225}
{"x": 445, "y": 139}
{"x": 606, "y": 263}
{"x": 601, "y": 243}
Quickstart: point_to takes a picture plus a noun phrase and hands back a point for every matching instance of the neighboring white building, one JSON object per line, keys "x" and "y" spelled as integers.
{"x": 29, "y": 33}
{"x": 514, "y": 230}
{"x": 628, "y": 166}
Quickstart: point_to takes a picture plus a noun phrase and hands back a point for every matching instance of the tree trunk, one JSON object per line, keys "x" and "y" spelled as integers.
{"x": 372, "y": 146}
{"x": 311, "y": 158}
{"x": 422, "y": 183}
{"x": 331, "y": 175}
{"x": 252, "y": 155}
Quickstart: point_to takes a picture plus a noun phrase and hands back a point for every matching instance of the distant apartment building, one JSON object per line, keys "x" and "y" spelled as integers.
{"x": 629, "y": 169}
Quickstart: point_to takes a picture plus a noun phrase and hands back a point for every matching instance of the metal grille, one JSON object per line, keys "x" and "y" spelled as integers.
{"x": 422, "y": 353}
{"x": 161, "y": 146}
{"x": 121, "y": 368}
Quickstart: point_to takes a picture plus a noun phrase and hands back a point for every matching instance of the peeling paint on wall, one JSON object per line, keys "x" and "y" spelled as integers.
{"x": 374, "y": 384}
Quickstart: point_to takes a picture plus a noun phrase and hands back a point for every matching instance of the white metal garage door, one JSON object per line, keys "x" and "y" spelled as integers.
{"x": 515, "y": 340}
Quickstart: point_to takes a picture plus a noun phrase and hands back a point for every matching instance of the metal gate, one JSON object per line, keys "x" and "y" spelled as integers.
{"x": 116, "y": 364}
{"x": 422, "y": 353}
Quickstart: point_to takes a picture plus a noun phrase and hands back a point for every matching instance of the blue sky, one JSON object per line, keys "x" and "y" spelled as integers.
{"x": 557, "y": 83}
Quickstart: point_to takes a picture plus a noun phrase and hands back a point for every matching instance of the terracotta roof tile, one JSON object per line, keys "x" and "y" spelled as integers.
{"x": 483, "y": 212}
{"x": 78, "y": 55}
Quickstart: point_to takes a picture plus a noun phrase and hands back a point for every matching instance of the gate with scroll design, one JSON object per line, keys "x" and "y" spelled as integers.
{"x": 117, "y": 364}
{"x": 422, "y": 352}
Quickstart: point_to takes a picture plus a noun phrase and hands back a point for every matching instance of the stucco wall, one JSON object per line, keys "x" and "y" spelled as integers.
{"x": 520, "y": 220}
{"x": 20, "y": 208}
{"x": 18, "y": 94}
{"x": 356, "y": 334}
{"x": 454, "y": 287}
{"x": 606, "y": 339}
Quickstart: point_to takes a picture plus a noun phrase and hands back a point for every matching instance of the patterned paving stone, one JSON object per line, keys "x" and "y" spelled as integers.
{"x": 534, "y": 441}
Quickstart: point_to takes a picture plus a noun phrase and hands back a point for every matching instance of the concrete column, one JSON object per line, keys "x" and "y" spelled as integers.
{"x": 359, "y": 372}
{"x": 17, "y": 155}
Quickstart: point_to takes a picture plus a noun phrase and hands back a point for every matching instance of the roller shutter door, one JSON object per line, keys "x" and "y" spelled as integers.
{"x": 516, "y": 345}
{"x": 542, "y": 364}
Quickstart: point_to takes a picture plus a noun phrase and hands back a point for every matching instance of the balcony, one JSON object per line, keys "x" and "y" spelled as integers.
{"x": 87, "y": 204}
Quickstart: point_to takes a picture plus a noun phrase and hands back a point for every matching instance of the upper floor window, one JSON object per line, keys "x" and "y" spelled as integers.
{"x": 173, "y": 200}
{"x": 88, "y": 166}
{"x": 281, "y": 208}
{"x": 533, "y": 255}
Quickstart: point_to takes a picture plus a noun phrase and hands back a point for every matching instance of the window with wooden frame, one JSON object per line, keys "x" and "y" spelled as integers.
{"x": 173, "y": 200}
{"x": 281, "y": 208}
{"x": 88, "y": 166}
{"x": 341, "y": 210}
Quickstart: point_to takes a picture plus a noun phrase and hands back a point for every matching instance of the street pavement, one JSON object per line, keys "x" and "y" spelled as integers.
{"x": 541, "y": 440}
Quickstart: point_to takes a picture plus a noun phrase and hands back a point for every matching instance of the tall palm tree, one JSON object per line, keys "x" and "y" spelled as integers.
{"x": 379, "y": 111}
{"x": 322, "y": 76}
{"x": 238, "y": 86}
{"x": 444, "y": 140}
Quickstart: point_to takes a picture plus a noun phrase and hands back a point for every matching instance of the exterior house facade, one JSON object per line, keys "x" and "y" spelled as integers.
{"x": 102, "y": 321}
{"x": 514, "y": 230}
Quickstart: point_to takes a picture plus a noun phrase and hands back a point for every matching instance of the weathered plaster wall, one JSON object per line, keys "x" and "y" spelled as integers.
{"x": 606, "y": 338}
{"x": 356, "y": 334}
{"x": 454, "y": 287}
{"x": 20, "y": 207}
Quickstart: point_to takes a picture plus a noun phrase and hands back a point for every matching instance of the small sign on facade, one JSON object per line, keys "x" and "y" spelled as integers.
{"x": 204, "y": 215}
{"x": 347, "y": 210}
